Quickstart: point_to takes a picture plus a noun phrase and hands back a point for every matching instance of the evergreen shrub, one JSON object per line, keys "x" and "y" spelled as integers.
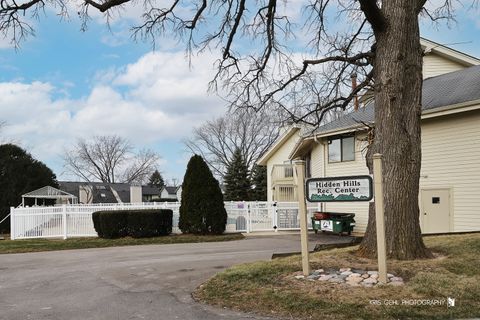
{"x": 133, "y": 223}
{"x": 202, "y": 210}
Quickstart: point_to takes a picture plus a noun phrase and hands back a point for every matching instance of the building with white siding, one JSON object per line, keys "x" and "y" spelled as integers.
{"x": 450, "y": 177}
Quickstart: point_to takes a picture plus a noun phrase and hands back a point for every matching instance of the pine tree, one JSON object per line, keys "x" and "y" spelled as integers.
{"x": 156, "y": 180}
{"x": 202, "y": 209}
{"x": 237, "y": 183}
{"x": 259, "y": 183}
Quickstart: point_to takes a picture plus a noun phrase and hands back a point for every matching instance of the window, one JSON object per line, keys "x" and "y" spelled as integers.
{"x": 341, "y": 149}
{"x": 288, "y": 170}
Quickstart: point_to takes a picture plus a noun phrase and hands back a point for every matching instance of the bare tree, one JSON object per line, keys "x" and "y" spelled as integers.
{"x": 216, "y": 140}
{"x": 379, "y": 40}
{"x": 110, "y": 159}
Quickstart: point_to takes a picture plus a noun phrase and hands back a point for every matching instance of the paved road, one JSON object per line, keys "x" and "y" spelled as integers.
{"x": 138, "y": 282}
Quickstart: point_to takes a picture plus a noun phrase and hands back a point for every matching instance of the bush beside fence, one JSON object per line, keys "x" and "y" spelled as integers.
{"x": 69, "y": 221}
{"x": 133, "y": 223}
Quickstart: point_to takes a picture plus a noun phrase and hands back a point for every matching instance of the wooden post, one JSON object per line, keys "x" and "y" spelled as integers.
{"x": 302, "y": 211}
{"x": 380, "y": 218}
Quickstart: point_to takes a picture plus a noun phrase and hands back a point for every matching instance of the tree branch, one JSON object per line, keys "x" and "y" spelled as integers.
{"x": 373, "y": 14}
{"x": 105, "y": 5}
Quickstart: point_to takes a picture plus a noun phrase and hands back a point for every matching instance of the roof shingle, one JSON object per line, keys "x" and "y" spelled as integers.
{"x": 440, "y": 91}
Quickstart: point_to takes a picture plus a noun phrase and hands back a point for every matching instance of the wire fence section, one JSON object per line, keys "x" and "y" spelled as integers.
{"x": 75, "y": 220}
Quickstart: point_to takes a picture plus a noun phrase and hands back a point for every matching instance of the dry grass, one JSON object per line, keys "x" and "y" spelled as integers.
{"x": 270, "y": 288}
{"x": 36, "y": 245}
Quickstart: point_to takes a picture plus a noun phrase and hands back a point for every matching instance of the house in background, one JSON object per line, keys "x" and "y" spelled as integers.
{"x": 151, "y": 194}
{"x": 171, "y": 193}
{"x": 450, "y": 171}
{"x": 100, "y": 192}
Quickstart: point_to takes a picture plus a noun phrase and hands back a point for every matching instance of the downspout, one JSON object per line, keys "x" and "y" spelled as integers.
{"x": 325, "y": 161}
{"x": 324, "y": 166}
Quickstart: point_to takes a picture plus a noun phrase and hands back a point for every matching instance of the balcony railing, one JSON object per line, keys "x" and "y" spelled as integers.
{"x": 283, "y": 183}
{"x": 282, "y": 173}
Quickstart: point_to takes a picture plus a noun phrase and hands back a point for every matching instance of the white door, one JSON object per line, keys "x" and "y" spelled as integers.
{"x": 435, "y": 214}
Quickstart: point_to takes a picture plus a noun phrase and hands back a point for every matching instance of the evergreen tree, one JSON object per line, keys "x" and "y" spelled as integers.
{"x": 237, "y": 183}
{"x": 259, "y": 183}
{"x": 19, "y": 173}
{"x": 156, "y": 180}
{"x": 202, "y": 209}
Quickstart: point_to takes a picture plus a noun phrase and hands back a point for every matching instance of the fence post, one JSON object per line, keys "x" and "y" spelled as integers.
{"x": 12, "y": 224}
{"x": 64, "y": 218}
{"x": 275, "y": 217}
{"x": 249, "y": 215}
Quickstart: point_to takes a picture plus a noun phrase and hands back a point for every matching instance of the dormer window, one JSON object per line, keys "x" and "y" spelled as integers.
{"x": 341, "y": 149}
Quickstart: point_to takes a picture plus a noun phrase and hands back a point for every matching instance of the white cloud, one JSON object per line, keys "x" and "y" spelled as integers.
{"x": 152, "y": 100}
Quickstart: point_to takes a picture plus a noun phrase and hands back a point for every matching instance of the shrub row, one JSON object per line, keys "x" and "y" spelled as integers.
{"x": 133, "y": 223}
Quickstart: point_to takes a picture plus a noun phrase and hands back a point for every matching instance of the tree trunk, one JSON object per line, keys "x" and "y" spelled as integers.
{"x": 398, "y": 85}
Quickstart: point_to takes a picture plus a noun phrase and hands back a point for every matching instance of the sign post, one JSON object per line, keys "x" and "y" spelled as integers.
{"x": 302, "y": 210}
{"x": 380, "y": 218}
{"x": 354, "y": 188}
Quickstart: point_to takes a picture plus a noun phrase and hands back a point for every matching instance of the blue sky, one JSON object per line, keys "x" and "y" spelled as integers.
{"x": 64, "y": 84}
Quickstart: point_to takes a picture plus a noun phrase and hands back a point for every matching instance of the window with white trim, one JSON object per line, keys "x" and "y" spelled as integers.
{"x": 341, "y": 149}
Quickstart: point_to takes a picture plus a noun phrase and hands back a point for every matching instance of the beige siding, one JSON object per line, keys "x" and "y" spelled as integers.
{"x": 451, "y": 159}
{"x": 280, "y": 157}
{"x": 434, "y": 65}
{"x": 317, "y": 161}
{"x": 356, "y": 167}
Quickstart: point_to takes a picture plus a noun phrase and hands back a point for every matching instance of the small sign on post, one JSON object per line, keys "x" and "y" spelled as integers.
{"x": 341, "y": 189}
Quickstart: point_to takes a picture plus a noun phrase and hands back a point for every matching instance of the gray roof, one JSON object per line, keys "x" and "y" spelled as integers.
{"x": 451, "y": 88}
{"x": 353, "y": 119}
{"x": 151, "y": 190}
{"x": 440, "y": 91}
{"x": 99, "y": 188}
{"x": 171, "y": 190}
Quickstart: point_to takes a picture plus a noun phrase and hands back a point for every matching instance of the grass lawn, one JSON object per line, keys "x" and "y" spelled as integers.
{"x": 35, "y": 245}
{"x": 270, "y": 287}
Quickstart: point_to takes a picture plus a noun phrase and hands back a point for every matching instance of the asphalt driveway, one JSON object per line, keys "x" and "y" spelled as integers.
{"x": 138, "y": 282}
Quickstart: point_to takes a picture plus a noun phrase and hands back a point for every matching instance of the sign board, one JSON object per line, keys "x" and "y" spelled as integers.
{"x": 339, "y": 189}
{"x": 327, "y": 225}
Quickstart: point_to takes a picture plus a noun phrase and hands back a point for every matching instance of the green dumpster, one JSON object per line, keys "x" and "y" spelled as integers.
{"x": 317, "y": 218}
{"x": 315, "y": 224}
{"x": 335, "y": 222}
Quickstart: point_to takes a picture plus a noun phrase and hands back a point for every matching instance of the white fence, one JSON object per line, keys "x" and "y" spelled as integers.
{"x": 76, "y": 220}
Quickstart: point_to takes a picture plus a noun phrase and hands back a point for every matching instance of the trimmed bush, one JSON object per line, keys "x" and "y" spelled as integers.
{"x": 202, "y": 210}
{"x": 96, "y": 223}
{"x": 133, "y": 223}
